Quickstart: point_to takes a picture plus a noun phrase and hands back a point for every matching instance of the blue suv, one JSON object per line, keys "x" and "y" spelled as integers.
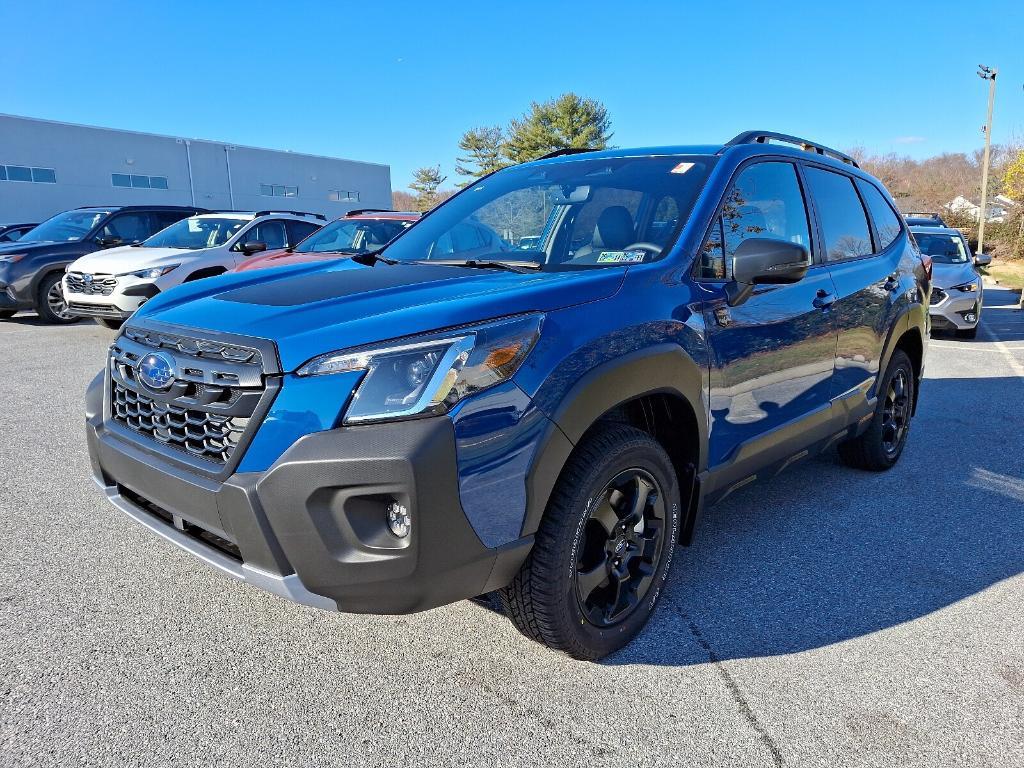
{"x": 436, "y": 420}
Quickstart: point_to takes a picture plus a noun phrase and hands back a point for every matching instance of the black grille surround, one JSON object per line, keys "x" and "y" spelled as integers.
{"x": 203, "y": 420}
{"x": 91, "y": 285}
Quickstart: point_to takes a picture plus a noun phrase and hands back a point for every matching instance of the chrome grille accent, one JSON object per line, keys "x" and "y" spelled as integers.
{"x": 938, "y": 295}
{"x": 205, "y": 435}
{"x": 91, "y": 285}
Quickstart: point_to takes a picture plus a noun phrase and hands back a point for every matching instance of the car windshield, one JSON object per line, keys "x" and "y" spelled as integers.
{"x": 195, "y": 233}
{"x": 574, "y": 214}
{"x": 69, "y": 226}
{"x": 943, "y": 249}
{"x": 353, "y": 236}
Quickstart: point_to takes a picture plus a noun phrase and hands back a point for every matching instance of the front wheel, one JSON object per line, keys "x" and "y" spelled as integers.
{"x": 50, "y": 303}
{"x": 603, "y": 549}
{"x": 879, "y": 447}
{"x": 110, "y": 323}
{"x": 969, "y": 333}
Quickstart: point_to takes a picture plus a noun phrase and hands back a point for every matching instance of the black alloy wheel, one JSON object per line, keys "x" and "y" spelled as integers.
{"x": 895, "y": 413}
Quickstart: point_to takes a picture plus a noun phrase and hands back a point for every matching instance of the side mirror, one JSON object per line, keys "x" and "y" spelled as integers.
{"x": 765, "y": 261}
{"x": 252, "y": 247}
{"x": 982, "y": 259}
{"x": 108, "y": 242}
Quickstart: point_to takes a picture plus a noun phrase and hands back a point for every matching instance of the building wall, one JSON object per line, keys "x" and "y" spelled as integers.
{"x": 83, "y": 159}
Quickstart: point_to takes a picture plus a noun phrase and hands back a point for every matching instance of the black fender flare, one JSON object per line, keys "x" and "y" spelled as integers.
{"x": 42, "y": 274}
{"x": 663, "y": 368}
{"x": 913, "y": 317}
{"x": 199, "y": 274}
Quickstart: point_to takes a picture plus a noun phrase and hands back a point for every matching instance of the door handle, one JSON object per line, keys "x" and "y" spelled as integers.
{"x": 824, "y": 299}
{"x": 892, "y": 282}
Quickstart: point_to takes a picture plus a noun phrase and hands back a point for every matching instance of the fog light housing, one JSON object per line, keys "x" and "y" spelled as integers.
{"x": 399, "y": 521}
{"x": 970, "y": 317}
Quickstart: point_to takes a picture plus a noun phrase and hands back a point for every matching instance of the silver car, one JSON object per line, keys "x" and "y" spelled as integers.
{"x": 956, "y": 282}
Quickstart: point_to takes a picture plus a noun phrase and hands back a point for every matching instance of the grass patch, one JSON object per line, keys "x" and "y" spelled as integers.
{"x": 1010, "y": 274}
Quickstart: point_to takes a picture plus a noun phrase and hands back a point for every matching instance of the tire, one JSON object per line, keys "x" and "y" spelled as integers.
{"x": 109, "y": 323}
{"x": 970, "y": 333}
{"x": 47, "y": 305}
{"x": 881, "y": 445}
{"x": 561, "y": 595}
{"x": 7, "y": 314}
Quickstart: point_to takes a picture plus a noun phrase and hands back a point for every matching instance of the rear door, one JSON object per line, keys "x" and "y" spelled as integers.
{"x": 772, "y": 356}
{"x": 864, "y": 263}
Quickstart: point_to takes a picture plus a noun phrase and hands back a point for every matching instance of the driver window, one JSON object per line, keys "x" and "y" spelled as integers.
{"x": 765, "y": 201}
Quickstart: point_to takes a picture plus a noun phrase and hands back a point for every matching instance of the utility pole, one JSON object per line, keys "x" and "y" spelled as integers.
{"x": 986, "y": 73}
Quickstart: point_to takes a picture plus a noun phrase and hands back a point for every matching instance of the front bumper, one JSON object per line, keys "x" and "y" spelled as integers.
{"x": 949, "y": 312}
{"x": 126, "y": 295}
{"x": 312, "y": 528}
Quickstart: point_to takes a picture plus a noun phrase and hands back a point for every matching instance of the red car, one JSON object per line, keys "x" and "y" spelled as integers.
{"x": 357, "y": 231}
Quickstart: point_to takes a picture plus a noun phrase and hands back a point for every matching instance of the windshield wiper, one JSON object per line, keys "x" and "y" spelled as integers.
{"x": 369, "y": 258}
{"x": 522, "y": 267}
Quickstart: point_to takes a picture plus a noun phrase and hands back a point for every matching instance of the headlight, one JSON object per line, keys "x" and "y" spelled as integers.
{"x": 152, "y": 273}
{"x": 966, "y": 287}
{"x": 427, "y": 375}
{"x": 12, "y": 258}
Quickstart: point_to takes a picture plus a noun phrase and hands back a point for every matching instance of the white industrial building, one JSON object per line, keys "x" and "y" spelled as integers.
{"x": 47, "y": 167}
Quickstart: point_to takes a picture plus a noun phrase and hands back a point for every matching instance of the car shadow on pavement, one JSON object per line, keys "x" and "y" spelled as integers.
{"x": 823, "y": 553}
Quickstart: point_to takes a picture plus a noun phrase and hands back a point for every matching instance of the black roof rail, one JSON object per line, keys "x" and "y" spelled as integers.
{"x": 763, "y": 137}
{"x": 293, "y": 213}
{"x": 566, "y": 151}
{"x": 195, "y": 208}
{"x": 360, "y": 211}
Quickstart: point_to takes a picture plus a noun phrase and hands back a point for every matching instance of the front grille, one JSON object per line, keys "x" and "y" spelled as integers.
{"x": 201, "y": 434}
{"x": 938, "y": 296}
{"x": 205, "y": 410}
{"x": 91, "y": 285}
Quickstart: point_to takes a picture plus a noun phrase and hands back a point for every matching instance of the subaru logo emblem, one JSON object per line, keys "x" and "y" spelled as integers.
{"x": 156, "y": 371}
{"x": 86, "y": 278}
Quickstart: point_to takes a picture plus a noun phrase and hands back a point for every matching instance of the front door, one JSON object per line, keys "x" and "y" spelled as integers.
{"x": 773, "y": 355}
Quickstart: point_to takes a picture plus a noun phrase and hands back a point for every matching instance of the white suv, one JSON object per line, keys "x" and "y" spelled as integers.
{"x": 109, "y": 285}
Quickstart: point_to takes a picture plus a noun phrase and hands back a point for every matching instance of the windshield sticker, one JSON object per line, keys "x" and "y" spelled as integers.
{"x": 682, "y": 168}
{"x": 620, "y": 257}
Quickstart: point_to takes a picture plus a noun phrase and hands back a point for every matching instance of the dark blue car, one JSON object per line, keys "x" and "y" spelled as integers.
{"x": 435, "y": 420}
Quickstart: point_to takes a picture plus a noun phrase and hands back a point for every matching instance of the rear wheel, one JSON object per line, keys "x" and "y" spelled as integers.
{"x": 604, "y": 548}
{"x": 110, "y": 323}
{"x": 50, "y": 302}
{"x": 881, "y": 445}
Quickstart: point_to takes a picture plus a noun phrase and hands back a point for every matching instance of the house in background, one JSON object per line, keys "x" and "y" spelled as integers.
{"x": 999, "y": 207}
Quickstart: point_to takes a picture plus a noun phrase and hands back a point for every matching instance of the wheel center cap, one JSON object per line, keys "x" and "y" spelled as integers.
{"x": 620, "y": 546}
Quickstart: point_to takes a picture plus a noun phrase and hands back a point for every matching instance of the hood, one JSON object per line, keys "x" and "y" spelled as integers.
{"x": 49, "y": 246}
{"x": 311, "y": 309}
{"x": 948, "y": 275}
{"x": 284, "y": 258}
{"x": 127, "y": 258}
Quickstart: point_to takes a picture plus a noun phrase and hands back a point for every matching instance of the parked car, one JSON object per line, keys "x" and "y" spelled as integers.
{"x": 918, "y": 219}
{"x": 356, "y": 232}
{"x": 31, "y": 269}
{"x": 109, "y": 286}
{"x": 957, "y": 294}
{"x": 403, "y": 429}
{"x": 11, "y": 233}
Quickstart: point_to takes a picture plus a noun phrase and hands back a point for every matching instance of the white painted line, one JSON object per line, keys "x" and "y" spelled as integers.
{"x": 1015, "y": 365}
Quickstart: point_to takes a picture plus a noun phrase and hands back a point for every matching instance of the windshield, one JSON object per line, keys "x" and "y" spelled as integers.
{"x": 574, "y": 214}
{"x": 944, "y": 249}
{"x": 69, "y": 226}
{"x": 352, "y": 236}
{"x": 196, "y": 232}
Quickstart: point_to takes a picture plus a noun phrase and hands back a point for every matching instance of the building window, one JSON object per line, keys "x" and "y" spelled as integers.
{"x": 278, "y": 190}
{"x": 138, "y": 181}
{"x": 25, "y": 173}
{"x": 342, "y": 196}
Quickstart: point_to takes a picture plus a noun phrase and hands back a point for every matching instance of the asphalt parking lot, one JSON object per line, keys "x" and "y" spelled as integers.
{"x": 827, "y": 617}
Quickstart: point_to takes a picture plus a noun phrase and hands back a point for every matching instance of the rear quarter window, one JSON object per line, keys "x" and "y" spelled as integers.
{"x": 887, "y": 221}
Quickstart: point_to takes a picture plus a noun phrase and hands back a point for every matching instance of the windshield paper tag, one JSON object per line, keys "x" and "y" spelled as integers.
{"x": 620, "y": 257}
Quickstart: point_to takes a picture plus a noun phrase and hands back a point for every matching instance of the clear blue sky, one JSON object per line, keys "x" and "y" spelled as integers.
{"x": 398, "y": 82}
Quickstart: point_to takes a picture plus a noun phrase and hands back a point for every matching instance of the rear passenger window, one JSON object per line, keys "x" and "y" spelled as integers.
{"x": 765, "y": 201}
{"x": 843, "y": 222}
{"x": 887, "y": 223}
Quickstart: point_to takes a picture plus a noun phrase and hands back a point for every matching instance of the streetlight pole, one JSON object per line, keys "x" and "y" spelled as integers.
{"x": 986, "y": 73}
